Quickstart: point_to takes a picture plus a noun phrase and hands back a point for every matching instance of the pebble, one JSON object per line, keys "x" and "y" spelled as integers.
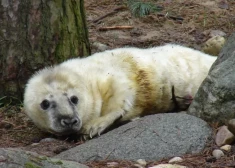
{"x": 99, "y": 46}
{"x": 48, "y": 140}
{"x": 214, "y": 33}
{"x": 175, "y": 160}
{"x": 224, "y": 136}
{"x": 217, "y": 153}
{"x": 34, "y": 144}
{"x": 227, "y": 148}
{"x": 112, "y": 164}
{"x": 141, "y": 162}
{"x": 168, "y": 166}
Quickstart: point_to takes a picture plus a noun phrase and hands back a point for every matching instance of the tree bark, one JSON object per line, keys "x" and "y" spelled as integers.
{"x": 35, "y": 34}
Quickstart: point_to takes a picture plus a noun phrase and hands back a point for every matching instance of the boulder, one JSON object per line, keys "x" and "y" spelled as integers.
{"x": 10, "y": 157}
{"x": 150, "y": 138}
{"x": 215, "y": 99}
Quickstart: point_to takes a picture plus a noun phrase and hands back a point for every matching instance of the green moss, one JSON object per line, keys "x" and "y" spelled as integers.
{"x": 59, "y": 162}
{"x": 39, "y": 159}
{"x": 46, "y": 33}
{"x": 42, "y": 158}
{"x": 31, "y": 165}
{"x": 55, "y": 161}
{"x": 72, "y": 30}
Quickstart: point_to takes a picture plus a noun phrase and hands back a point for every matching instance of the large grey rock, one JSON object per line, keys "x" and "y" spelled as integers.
{"x": 12, "y": 158}
{"x": 151, "y": 138}
{"x": 215, "y": 99}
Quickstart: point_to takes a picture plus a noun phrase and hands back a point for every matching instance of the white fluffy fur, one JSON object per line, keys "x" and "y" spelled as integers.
{"x": 116, "y": 84}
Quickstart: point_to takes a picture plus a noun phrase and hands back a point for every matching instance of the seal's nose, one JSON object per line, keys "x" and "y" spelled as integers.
{"x": 69, "y": 122}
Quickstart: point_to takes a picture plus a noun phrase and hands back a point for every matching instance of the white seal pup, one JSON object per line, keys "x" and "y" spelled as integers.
{"x": 87, "y": 95}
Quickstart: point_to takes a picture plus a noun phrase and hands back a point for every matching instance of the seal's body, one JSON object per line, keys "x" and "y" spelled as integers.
{"x": 87, "y": 95}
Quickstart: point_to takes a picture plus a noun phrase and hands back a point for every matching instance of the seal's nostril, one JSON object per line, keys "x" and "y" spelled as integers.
{"x": 64, "y": 122}
{"x": 74, "y": 121}
{"x": 69, "y": 122}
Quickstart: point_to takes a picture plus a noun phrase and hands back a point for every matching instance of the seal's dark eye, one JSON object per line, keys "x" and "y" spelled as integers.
{"x": 74, "y": 99}
{"x": 45, "y": 104}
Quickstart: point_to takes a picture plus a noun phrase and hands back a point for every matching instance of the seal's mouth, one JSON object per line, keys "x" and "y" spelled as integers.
{"x": 64, "y": 131}
{"x": 65, "y": 126}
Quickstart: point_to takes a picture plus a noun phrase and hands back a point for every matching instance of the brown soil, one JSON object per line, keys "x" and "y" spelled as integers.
{"x": 186, "y": 22}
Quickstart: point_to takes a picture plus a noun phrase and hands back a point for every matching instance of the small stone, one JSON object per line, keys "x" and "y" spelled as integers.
{"x": 48, "y": 140}
{"x": 224, "y": 136}
{"x": 112, "y": 164}
{"x": 214, "y": 33}
{"x": 34, "y": 144}
{"x": 217, "y": 153}
{"x": 175, "y": 160}
{"x": 141, "y": 162}
{"x": 168, "y": 166}
{"x": 99, "y": 46}
{"x": 227, "y": 148}
{"x": 214, "y": 45}
{"x": 231, "y": 126}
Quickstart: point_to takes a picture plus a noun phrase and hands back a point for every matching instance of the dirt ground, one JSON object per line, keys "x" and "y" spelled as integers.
{"x": 186, "y": 22}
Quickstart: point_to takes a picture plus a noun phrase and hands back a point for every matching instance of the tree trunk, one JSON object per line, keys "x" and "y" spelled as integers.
{"x": 35, "y": 34}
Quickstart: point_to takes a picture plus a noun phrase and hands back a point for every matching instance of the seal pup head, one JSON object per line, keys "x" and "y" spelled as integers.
{"x": 53, "y": 98}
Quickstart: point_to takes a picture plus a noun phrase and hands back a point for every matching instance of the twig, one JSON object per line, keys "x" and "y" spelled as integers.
{"x": 7, "y": 122}
{"x": 115, "y": 28}
{"x": 159, "y": 136}
{"x": 22, "y": 141}
{"x": 128, "y": 129}
{"x": 139, "y": 133}
{"x": 109, "y": 154}
{"x": 171, "y": 17}
{"x": 110, "y": 13}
